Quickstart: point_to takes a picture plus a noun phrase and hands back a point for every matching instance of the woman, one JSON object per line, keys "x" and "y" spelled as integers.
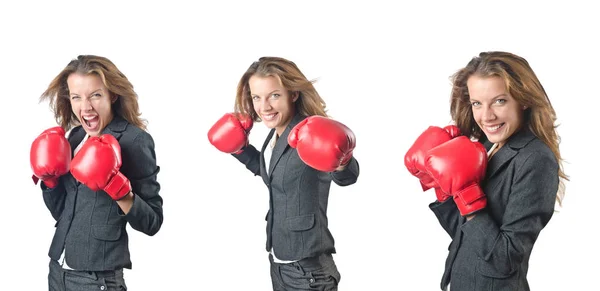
{"x": 302, "y": 154}
{"x": 110, "y": 181}
{"x": 502, "y": 198}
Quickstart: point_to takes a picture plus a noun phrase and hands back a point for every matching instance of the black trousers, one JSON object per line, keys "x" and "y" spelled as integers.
{"x": 316, "y": 273}
{"x": 60, "y": 279}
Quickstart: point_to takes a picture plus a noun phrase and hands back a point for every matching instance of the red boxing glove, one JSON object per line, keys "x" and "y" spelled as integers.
{"x": 230, "y": 133}
{"x": 97, "y": 166}
{"x": 458, "y": 166}
{"x": 322, "y": 143}
{"x": 50, "y": 156}
{"x": 414, "y": 160}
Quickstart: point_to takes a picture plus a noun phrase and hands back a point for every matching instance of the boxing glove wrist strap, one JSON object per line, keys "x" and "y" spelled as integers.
{"x": 470, "y": 200}
{"x": 118, "y": 187}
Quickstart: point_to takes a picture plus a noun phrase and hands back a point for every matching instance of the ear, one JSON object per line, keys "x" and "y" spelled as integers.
{"x": 295, "y": 96}
{"x": 114, "y": 98}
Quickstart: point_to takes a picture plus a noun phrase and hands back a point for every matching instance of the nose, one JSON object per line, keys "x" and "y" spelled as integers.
{"x": 86, "y": 104}
{"x": 265, "y": 104}
{"x": 488, "y": 114}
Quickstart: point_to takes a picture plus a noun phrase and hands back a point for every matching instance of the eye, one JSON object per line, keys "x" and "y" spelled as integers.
{"x": 475, "y": 103}
{"x": 74, "y": 97}
{"x": 254, "y": 98}
{"x": 500, "y": 101}
{"x": 275, "y": 95}
{"x": 96, "y": 95}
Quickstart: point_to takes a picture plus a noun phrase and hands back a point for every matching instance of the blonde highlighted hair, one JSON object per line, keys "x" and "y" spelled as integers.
{"x": 309, "y": 101}
{"x": 116, "y": 82}
{"x": 523, "y": 85}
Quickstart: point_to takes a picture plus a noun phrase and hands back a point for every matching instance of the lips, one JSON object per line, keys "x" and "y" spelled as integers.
{"x": 269, "y": 117}
{"x": 494, "y": 128}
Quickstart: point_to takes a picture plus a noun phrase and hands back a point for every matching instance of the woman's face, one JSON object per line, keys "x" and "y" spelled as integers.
{"x": 272, "y": 102}
{"x": 90, "y": 101}
{"x": 496, "y": 112}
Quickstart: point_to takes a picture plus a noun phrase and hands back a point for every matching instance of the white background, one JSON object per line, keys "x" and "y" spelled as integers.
{"x": 383, "y": 71}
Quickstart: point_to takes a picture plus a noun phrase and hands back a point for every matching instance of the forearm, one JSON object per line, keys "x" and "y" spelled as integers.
{"x": 54, "y": 198}
{"x": 250, "y": 157}
{"x": 447, "y": 215}
{"x": 347, "y": 175}
{"x": 502, "y": 250}
{"x": 143, "y": 216}
{"x": 126, "y": 203}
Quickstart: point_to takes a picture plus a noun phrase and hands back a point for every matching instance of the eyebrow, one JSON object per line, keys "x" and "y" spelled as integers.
{"x": 501, "y": 95}
{"x": 276, "y": 90}
{"x": 95, "y": 91}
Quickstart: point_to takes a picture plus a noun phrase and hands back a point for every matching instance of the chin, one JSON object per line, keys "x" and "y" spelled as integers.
{"x": 96, "y": 132}
{"x": 272, "y": 123}
{"x": 497, "y": 139}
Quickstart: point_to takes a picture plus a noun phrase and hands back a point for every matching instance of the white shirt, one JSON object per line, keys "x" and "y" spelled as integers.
{"x": 491, "y": 150}
{"x": 268, "y": 152}
{"x": 62, "y": 260}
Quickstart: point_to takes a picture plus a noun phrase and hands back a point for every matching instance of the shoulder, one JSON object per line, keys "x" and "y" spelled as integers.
{"x": 536, "y": 150}
{"x": 137, "y": 150}
{"x": 135, "y": 137}
{"x": 536, "y": 157}
{"x": 536, "y": 172}
{"x": 530, "y": 148}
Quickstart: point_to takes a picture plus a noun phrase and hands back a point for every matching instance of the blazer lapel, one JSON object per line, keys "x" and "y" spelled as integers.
{"x": 116, "y": 127}
{"x": 503, "y": 156}
{"x": 508, "y": 151}
{"x": 75, "y": 137}
{"x": 282, "y": 144}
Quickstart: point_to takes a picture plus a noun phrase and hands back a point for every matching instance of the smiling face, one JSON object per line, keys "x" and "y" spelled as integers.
{"x": 91, "y": 102}
{"x": 496, "y": 112}
{"x": 272, "y": 102}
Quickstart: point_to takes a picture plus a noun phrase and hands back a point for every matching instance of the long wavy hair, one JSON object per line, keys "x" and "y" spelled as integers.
{"x": 523, "y": 85}
{"x": 116, "y": 82}
{"x": 309, "y": 101}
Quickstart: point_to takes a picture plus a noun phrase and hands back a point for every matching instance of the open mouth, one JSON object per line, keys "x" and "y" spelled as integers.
{"x": 91, "y": 121}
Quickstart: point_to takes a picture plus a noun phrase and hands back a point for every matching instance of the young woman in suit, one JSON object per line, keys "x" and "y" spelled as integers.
{"x": 103, "y": 176}
{"x": 494, "y": 195}
{"x": 302, "y": 154}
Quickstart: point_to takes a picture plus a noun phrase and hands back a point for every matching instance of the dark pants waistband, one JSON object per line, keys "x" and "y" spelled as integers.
{"x": 322, "y": 260}
{"x": 89, "y": 274}
{"x": 312, "y": 263}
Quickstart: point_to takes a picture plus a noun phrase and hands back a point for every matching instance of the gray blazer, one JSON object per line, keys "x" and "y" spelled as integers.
{"x": 90, "y": 225}
{"x": 491, "y": 251}
{"x": 297, "y": 217}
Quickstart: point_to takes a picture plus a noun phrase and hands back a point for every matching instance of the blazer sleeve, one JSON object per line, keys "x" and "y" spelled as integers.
{"x": 348, "y": 175}
{"x": 146, "y": 213}
{"x": 448, "y": 215}
{"x": 529, "y": 208}
{"x": 250, "y": 157}
{"x": 54, "y": 198}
